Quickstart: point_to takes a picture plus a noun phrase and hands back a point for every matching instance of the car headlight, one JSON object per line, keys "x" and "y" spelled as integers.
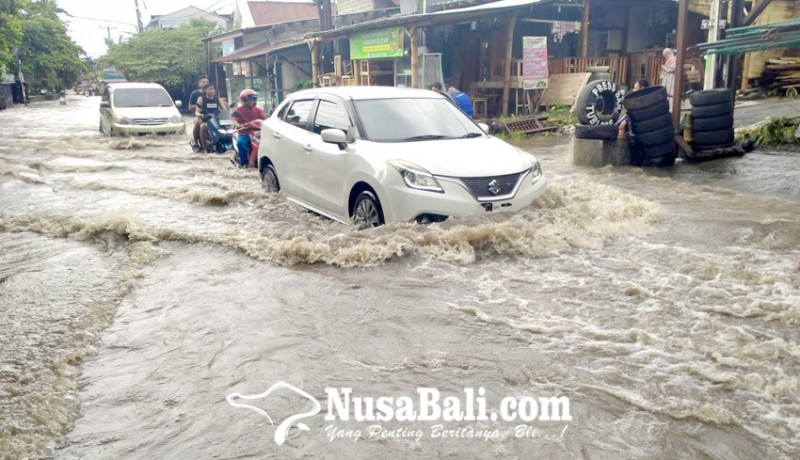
{"x": 536, "y": 170}
{"x": 416, "y": 177}
{"x": 177, "y": 118}
{"x": 125, "y": 121}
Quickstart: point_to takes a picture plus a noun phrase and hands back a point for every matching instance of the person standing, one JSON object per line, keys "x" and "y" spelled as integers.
{"x": 201, "y": 83}
{"x": 668, "y": 73}
{"x": 437, "y": 87}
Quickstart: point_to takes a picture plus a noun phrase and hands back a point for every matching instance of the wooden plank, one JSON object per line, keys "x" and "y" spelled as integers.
{"x": 563, "y": 89}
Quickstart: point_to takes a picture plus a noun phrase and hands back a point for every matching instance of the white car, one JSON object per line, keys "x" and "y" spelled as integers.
{"x": 373, "y": 155}
{"x": 139, "y": 109}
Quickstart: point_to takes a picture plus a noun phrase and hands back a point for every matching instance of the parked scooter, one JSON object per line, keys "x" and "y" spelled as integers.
{"x": 220, "y": 133}
{"x": 241, "y": 159}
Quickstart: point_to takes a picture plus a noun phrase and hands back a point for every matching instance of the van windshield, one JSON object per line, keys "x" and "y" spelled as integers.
{"x": 141, "y": 97}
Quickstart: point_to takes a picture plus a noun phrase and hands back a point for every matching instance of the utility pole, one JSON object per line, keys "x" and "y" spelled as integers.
{"x": 108, "y": 30}
{"x": 713, "y": 36}
{"x": 140, "y": 27}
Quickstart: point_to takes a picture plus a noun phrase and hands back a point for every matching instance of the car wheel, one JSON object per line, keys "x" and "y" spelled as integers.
{"x": 269, "y": 180}
{"x": 367, "y": 211}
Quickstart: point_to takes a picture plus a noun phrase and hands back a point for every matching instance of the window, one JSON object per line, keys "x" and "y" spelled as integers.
{"x": 299, "y": 112}
{"x": 331, "y": 115}
{"x": 142, "y": 97}
{"x": 282, "y": 112}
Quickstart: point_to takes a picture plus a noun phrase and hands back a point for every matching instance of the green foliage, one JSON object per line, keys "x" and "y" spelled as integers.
{"x": 780, "y": 131}
{"x": 560, "y": 115}
{"x": 171, "y": 57}
{"x": 10, "y": 32}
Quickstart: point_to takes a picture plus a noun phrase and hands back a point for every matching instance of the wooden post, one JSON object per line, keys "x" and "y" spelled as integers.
{"x": 414, "y": 58}
{"x": 314, "y": 70}
{"x": 683, "y": 19}
{"x": 585, "y": 30}
{"x": 507, "y": 63}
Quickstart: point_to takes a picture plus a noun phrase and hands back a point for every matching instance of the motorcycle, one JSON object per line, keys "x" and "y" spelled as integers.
{"x": 220, "y": 133}
{"x": 255, "y": 139}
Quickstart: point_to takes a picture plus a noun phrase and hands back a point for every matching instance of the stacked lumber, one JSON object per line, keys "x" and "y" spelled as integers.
{"x": 782, "y": 73}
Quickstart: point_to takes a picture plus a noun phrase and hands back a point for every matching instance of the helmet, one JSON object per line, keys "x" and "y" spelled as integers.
{"x": 247, "y": 94}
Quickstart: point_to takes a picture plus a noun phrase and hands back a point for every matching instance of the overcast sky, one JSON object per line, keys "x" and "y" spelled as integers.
{"x": 91, "y": 18}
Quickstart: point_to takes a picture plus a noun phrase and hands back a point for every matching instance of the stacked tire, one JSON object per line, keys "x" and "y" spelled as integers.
{"x": 598, "y": 105}
{"x": 651, "y": 129}
{"x": 712, "y": 119}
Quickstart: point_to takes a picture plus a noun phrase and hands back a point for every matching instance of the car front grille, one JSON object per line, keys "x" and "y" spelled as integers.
{"x": 492, "y": 187}
{"x": 150, "y": 121}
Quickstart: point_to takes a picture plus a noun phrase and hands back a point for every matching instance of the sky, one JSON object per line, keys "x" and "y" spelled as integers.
{"x": 95, "y": 20}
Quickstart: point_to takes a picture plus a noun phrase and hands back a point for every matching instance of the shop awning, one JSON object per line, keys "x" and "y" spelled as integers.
{"x": 258, "y": 49}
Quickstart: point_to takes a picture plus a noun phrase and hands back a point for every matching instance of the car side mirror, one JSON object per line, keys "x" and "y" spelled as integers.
{"x": 484, "y": 127}
{"x": 104, "y": 105}
{"x": 178, "y": 104}
{"x": 335, "y": 136}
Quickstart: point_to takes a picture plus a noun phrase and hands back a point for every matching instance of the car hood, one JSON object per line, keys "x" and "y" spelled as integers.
{"x": 145, "y": 112}
{"x": 476, "y": 157}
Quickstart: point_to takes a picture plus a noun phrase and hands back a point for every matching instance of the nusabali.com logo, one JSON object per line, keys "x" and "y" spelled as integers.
{"x": 427, "y": 405}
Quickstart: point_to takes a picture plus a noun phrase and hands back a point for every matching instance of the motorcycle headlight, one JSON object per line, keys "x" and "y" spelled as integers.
{"x": 125, "y": 121}
{"x": 416, "y": 177}
{"x": 177, "y": 118}
{"x": 536, "y": 170}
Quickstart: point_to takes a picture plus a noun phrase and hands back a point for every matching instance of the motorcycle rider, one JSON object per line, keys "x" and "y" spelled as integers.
{"x": 245, "y": 113}
{"x": 201, "y": 83}
{"x": 208, "y": 105}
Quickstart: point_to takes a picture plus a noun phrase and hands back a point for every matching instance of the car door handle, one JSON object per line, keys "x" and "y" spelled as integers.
{"x": 307, "y": 148}
{"x": 276, "y": 135}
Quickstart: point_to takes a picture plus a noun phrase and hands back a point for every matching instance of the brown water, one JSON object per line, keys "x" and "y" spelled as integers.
{"x": 140, "y": 285}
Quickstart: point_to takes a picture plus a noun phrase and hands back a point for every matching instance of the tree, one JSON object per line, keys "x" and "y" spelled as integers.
{"x": 171, "y": 57}
{"x": 50, "y": 60}
{"x": 10, "y": 32}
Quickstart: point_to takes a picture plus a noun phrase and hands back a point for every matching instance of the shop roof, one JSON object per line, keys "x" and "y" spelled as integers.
{"x": 257, "y": 50}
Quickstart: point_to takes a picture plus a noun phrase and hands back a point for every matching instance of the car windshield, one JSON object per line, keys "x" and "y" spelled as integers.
{"x": 413, "y": 119}
{"x": 141, "y": 97}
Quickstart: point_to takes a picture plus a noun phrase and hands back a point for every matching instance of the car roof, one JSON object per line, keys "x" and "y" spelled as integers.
{"x": 116, "y": 86}
{"x": 365, "y": 92}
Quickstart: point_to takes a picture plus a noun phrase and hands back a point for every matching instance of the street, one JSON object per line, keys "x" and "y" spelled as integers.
{"x": 141, "y": 285}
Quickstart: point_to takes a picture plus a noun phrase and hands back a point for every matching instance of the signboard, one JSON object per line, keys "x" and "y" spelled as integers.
{"x": 534, "y": 62}
{"x": 112, "y": 74}
{"x": 709, "y": 24}
{"x": 377, "y": 44}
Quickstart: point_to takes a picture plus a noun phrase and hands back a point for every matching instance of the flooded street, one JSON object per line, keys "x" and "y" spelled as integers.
{"x": 141, "y": 285}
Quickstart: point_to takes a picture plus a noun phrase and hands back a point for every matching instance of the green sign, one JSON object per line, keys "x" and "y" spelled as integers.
{"x": 377, "y": 44}
{"x": 112, "y": 74}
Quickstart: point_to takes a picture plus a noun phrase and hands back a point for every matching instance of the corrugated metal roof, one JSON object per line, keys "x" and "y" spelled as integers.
{"x": 258, "y": 50}
{"x": 267, "y": 13}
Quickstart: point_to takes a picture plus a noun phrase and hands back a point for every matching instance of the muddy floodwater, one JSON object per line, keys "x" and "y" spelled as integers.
{"x": 150, "y": 298}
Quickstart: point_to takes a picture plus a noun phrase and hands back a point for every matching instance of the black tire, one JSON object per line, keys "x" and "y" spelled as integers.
{"x": 269, "y": 179}
{"x": 721, "y": 137}
{"x": 644, "y": 98}
{"x": 602, "y": 132}
{"x": 367, "y": 211}
{"x": 712, "y": 111}
{"x": 711, "y": 97}
{"x": 712, "y": 124}
{"x": 657, "y": 137}
{"x": 653, "y": 124}
{"x": 660, "y": 161}
{"x": 653, "y": 151}
{"x": 599, "y": 103}
{"x": 649, "y": 113}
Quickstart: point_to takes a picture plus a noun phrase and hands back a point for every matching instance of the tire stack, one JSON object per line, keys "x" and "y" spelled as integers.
{"x": 599, "y": 105}
{"x": 650, "y": 125}
{"x": 712, "y": 119}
